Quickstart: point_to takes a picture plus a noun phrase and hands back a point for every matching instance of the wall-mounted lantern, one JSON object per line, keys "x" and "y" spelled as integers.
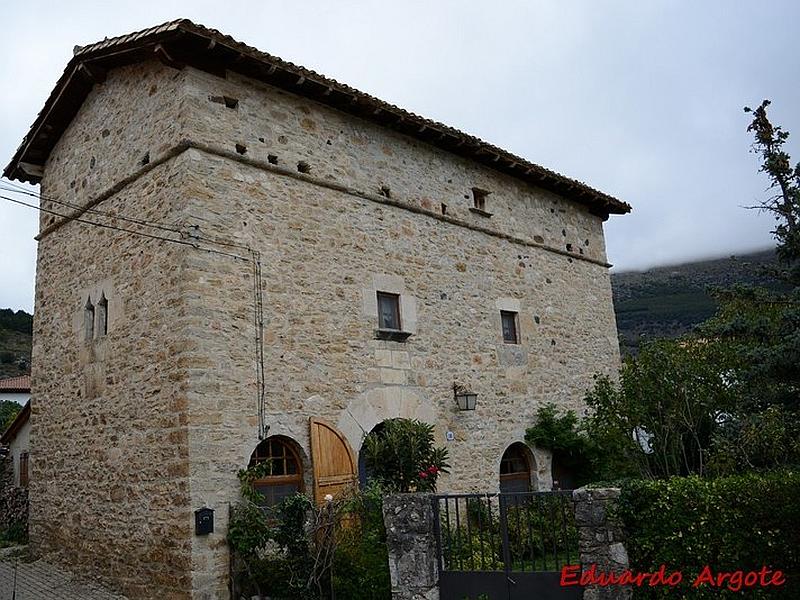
{"x": 465, "y": 399}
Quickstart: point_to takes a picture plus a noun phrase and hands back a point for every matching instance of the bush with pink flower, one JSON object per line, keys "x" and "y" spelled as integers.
{"x": 402, "y": 457}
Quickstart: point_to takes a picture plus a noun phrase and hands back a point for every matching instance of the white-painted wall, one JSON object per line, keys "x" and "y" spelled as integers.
{"x": 21, "y": 443}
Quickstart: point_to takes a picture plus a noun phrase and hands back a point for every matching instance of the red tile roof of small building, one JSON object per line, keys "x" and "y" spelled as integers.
{"x": 19, "y": 384}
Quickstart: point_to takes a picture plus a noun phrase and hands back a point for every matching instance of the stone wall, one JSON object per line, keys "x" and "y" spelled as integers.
{"x": 13, "y": 499}
{"x": 601, "y": 539}
{"x": 411, "y": 543}
{"x": 109, "y": 488}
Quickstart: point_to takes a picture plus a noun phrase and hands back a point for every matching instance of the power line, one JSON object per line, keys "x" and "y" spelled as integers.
{"x": 154, "y": 224}
{"x": 122, "y": 229}
{"x": 255, "y": 259}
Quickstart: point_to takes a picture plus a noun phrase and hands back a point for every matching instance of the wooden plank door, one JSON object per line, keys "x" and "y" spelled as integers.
{"x": 332, "y": 459}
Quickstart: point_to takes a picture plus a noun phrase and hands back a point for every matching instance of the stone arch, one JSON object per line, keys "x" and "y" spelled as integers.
{"x": 363, "y": 472}
{"x": 381, "y": 404}
{"x": 294, "y": 447}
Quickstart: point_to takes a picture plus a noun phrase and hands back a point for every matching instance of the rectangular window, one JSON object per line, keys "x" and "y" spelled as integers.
{"x": 509, "y": 319}
{"x": 388, "y": 311}
{"x": 479, "y": 198}
{"x": 23, "y": 469}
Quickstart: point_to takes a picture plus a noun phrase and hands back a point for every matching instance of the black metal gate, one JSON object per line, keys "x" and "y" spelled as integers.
{"x": 505, "y": 546}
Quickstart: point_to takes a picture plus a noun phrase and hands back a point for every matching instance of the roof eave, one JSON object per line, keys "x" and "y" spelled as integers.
{"x": 182, "y": 42}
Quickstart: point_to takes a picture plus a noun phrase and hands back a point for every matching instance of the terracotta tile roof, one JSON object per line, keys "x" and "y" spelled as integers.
{"x": 16, "y": 384}
{"x": 182, "y": 42}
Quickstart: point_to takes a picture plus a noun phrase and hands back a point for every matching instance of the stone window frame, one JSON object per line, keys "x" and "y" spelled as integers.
{"x": 96, "y": 318}
{"x": 101, "y": 312}
{"x": 88, "y": 320}
{"x": 513, "y": 326}
{"x": 394, "y": 300}
{"x": 390, "y": 284}
{"x": 509, "y": 305}
{"x": 479, "y": 199}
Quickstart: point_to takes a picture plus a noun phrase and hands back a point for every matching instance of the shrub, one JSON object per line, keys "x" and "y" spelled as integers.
{"x": 732, "y": 523}
{"x": 15, "y": 534}
{"x": 402, "y": 457}
{"x": 360, "y": 568}
{"x": 297, "y": 550}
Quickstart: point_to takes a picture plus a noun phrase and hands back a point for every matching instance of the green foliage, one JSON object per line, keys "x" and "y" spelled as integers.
{"x": 298, "y": 551}
{"x": 670, "y": 398}
{"x": 402, "y": 457}
{"x": 785, "y": 179}
{"x": 541, "y": 532}
{"x": 361, "y": 561}
{"x": 16, "y": 321}
{"x": 729, "y": 523}
{"x": 562, "y": 435}
{"x": 14, "y": 535}
{"x": 8, "y": 412}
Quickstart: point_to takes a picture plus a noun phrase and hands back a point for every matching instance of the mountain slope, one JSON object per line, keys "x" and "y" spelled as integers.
{"x": 670, "y": 301}
{"x": 15, "y": 342}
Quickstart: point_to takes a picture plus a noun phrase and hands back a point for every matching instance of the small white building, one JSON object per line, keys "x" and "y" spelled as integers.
{"x": 17, "y": 436}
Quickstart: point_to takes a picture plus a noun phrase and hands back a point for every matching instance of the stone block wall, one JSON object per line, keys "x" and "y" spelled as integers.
{"x": 13, "y": 499}
{"x": 109, "y": 489}
{"x": 411, "y": 542}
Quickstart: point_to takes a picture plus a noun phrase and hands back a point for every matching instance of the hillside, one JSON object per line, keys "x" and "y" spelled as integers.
{"x": 15, "y": 342}
{"x": 669, "y": 301}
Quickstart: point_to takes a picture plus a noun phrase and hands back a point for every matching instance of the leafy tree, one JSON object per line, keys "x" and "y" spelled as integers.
{"x": 16, "y": 321}
{"x": 8, "y": 412}
{"x": 584, "y": 455}
{"x": 402, "y": 456}
{"x": 666, "y": 407}
{"x": 785, "y": 204}
{"x": 725, "y": 399}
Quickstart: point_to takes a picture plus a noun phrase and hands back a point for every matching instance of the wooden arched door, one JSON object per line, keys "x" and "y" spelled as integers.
{"x": 333, "y": 462}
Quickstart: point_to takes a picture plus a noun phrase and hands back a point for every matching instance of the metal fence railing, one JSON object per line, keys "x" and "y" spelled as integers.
{"x": 512, "y": 532}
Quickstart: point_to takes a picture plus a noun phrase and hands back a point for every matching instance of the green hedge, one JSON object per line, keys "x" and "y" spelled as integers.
{"x": 731, "y": 523}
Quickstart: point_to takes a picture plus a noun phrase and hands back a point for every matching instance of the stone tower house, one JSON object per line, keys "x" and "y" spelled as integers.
{"x": 233, "y": 248}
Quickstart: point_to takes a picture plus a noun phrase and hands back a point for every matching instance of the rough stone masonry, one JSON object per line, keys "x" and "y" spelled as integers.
{"x": 146, "y": 365}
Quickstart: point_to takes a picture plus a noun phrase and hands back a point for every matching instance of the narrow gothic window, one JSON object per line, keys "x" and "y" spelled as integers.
{"x": 102, "y": 316}
{"x": 388, "y": 311}
{"x": 88, "y": 320}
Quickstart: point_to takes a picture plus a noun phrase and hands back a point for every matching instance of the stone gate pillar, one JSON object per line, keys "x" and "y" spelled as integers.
{"x": 411, "y": 543}
{"x": 601, "y": 539}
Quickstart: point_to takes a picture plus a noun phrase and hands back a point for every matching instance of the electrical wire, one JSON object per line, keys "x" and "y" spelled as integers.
{"x": 123, "y": 229}
{"x": 255, "y": 259}
{"x": 155, "y": 224}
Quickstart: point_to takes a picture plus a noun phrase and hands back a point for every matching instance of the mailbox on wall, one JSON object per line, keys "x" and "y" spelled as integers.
{"x": 204, "y": 521}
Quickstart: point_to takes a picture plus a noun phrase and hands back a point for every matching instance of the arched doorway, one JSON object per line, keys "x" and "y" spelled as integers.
{"x": 284, "y": 470}
{"x": 564, "y": 477}
{"x": 364, "y": 474}
{"x": 515, "y": 469}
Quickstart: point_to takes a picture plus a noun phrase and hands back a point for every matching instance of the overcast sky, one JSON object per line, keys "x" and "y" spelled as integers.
{"x": 641, "y": 99}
